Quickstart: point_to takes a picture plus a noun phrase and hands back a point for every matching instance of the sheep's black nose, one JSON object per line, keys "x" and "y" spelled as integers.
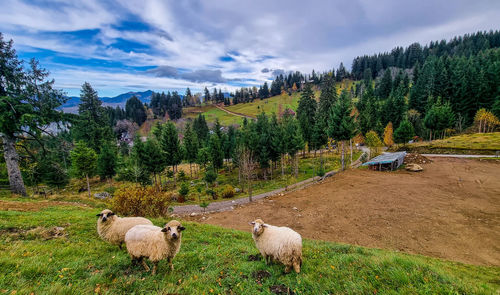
{"x": 174, "y": 235}
{"x": 104, "y": 219}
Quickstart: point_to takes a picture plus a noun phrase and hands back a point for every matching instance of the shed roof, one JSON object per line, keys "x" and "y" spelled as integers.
{"x": 386, "y": 158}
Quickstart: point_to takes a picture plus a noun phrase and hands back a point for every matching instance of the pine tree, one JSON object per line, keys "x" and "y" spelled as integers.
{"x": 107, "y": 161}
{"x": 216, "y": 151}
{"x": 341, "y": 125}
{"x": 385, "y": 86}
{"x": 190, "y": 146}
{"x": 327, "y": 99}
{"x": 84, "y": 162}
{"x": 306, "y": 113}
{"x": 135, "y": 111}
{"x": 92, "y": 124}
{"x": 169, "y": 143}
{"x": 404, "y": 132}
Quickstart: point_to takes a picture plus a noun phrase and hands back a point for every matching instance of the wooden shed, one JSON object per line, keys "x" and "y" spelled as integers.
{"x": 386, "y": 161}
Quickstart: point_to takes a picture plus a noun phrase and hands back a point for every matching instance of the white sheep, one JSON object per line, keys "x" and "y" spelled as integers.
{"x": 112, "y": 228}
{"x": 154, "y": 242}
{"x": 278, "y": 243}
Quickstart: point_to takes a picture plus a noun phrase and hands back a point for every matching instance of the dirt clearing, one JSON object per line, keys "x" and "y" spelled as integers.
{"x": 450, "y": 210}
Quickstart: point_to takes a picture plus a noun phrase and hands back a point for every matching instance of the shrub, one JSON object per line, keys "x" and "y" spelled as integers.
{"x": 228, "y": 192}
{"x": 210, "y": 176}
{"x": 140, "y": 201}
{"x": 181, "y": 175}
{"x": 110, "y": 190}
{"x": 212, "y": 193}
{"x": 184, "y": 190}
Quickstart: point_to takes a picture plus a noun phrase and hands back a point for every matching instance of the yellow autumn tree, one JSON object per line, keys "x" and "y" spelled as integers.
{"x": 486, "y": 121}
{"x": 388, "y": 140}
{"x": 294, "y": 87}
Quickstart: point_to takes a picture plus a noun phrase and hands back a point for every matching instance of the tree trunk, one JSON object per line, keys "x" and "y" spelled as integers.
{"x": 282, "y": 166}
{"x": 12, "y": 160}
{"x": 190, "y": 170}
{"x": 296, "y": 165}
{"x": 350, "y": 143}
{"x": 88, "y": 185}
{"x": 342, "y": 157}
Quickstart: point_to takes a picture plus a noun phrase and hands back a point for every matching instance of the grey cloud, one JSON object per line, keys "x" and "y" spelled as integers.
{"x": 214, "y": 76}
{"x": 164, "y": 71}
{"x": 277, "y": 72}
{"x": 265, "y": 70}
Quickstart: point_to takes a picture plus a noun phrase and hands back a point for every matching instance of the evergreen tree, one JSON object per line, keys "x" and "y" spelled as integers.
{"x": 404, "y": 132}
{"x": 190, "y": 146}
{"x": 200, "y": 127}
{"x": 27, "y": 103}
{"x": 84, "y": 162}
{"x": 107, "y": 161}
{"x": 215, "y": 151}
{"x": 169, "y": 144}
{"x": 265, "y": 91}
{"x": 341, "y": 125}
{"x": 135, "y": 111}
{"x": 92, "y": 124}
{"x": 207, "y": 95}
{"x": 385, "y": 86}
{"x": 306, "y": 113}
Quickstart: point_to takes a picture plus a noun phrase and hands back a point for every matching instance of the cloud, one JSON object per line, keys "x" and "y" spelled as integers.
{"x": 214, "y": 76}
{"x": 128, "y": 38}
{"x": 164, "y": 71}
{"x": 278, "y": 72}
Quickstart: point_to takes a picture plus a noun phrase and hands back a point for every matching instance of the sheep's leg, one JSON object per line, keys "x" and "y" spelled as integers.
{"x": 288, "y": 268}
{"x": 120, "y": 246}
{"x": 170, "y": 263}
{"x": 146, "y": 267}
{"x": 265, "y": 257}
{"x": 296, "y": 267}
{"x": 155, "y": 266}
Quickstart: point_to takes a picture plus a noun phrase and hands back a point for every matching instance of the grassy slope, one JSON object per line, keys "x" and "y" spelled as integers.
{"x": 212, "y": 260}
{"x": 477, "y": 143}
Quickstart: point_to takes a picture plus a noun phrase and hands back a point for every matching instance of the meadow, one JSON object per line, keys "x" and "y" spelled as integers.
{"x": 475, "y": 143}
{"x": 212, "y": 260}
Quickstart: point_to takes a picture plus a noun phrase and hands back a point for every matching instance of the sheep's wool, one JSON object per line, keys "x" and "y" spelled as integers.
{"x": 114, "y": 229}
{"x": 149, "y": 241}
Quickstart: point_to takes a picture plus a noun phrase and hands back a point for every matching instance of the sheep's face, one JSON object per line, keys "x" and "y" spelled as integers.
{"x": 106, "y": 215}
{"x": 173, "y": 230}
{"x": 258, "y": 226}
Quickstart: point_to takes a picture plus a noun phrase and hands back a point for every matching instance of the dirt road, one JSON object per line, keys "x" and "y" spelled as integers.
{"x": 450, "y": 210}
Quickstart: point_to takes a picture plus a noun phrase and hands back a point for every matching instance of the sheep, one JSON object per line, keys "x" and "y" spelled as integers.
{"x": 112, "y": 228}
{"x": 154, "y": 242}
{"x": 278, "y": 243}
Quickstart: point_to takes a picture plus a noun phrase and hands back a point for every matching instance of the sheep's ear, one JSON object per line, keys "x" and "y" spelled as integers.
{"x": 181, "y": 228}
{"x": 164, "y": 230}
{"x": 111, "y": 214}
{"x": 98, "y": 215}
{"x": 264, "y": 225}
{"x": 252, "y": 223}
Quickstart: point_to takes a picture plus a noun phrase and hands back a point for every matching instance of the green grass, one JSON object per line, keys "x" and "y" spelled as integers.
{"x": 212, "y": 260}
{"x": 476, "y": 143}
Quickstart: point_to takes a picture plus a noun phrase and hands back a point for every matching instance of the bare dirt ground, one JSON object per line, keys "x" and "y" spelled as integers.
{"x": 451, "y": 210}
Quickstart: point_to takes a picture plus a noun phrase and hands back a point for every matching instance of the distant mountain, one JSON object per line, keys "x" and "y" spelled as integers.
{"x": 71, "y": 106}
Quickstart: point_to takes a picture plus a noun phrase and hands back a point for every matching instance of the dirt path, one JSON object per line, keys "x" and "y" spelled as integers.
{"x": 233, "y": 113}
{"x": 450, "y": 210}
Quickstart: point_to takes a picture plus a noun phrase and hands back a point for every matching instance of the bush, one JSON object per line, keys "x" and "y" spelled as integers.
{"x": 228, "y": 192}
{"x": 110, "y": 190}
{"x": 184, "y": 190}
{"x": 210, "y": 176}
{"x": 181, "y": 175}
{"x": 140, "y": 201}
{"x": 212, "y": 193}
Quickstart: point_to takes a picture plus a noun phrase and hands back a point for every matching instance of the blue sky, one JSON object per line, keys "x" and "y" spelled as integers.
{"x": 135, "y": 45}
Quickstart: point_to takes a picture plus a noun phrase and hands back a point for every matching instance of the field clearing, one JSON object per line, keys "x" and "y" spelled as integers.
{"x": 476, "y": 143}
{"x": 212, "y": 260}
{"x": 451, "y": 210}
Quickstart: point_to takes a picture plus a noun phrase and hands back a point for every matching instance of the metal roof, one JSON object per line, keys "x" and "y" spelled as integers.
{"x": 387, "y": 158}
